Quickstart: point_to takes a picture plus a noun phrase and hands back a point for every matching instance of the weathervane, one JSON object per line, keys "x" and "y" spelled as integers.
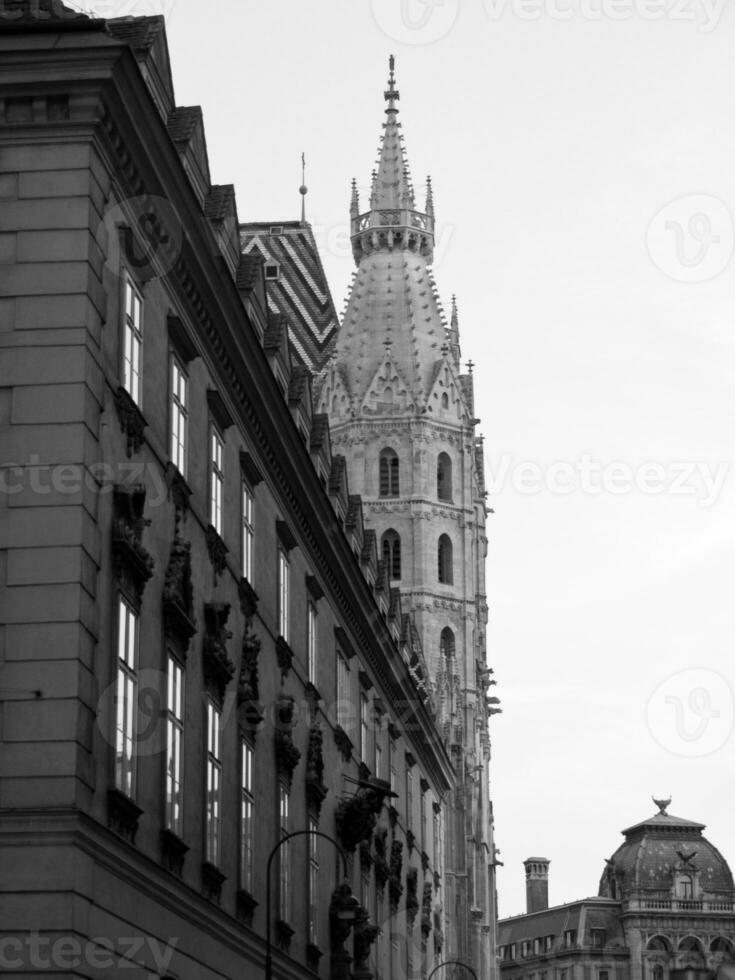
{"x": 303, "y": 189}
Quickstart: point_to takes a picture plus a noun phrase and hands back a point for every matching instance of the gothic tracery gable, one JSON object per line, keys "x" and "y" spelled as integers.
{"x": 333, "y": 395}
{"x": 446, "y": 400}
{"x": 388, "y": 392}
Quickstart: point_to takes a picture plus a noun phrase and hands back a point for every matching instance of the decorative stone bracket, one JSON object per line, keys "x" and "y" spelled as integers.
{"x": 412, "y": 899}
{"x": 218, "y": 668}
{"x": 122, "y": 814}
{"x": 426, "y": 910}
{"x": 178, "y": 593}
{"x": 249, "y": 710}
{"x": 287, "y": 754}
{"x": 131, "y": 419}
{"x": 395, "y": 887}
{"x": 212, "y": 881}
{"x": 284, "y": 655}
{"x": 217, "y": 551}
{"x": 173, "y": 852}
{"x": 357, "y": 815}
{"x": 365, "y": 934}
{"x": 343, "y": 742}
{"x": 315, "y": 788}
{"x": 133, "y": 564}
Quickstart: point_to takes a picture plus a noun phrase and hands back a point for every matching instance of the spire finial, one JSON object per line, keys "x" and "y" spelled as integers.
{"x": 303, "y": 189}
{"x": 392, "y": 95}
{"x": 429, "y": 196}
{"x": 455, "y": 318}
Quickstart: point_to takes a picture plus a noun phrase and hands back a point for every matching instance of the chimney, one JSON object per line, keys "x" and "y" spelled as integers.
{"x": 537, "y": 884}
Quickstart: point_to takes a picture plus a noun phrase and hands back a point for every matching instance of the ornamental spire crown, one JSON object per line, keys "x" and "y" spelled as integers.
{"x": 393, "y": 222}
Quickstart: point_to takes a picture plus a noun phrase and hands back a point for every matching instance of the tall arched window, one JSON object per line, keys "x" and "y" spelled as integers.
{"x": 658, "y": 972}
{"x": 391, "y": 549}
{"x": 444, "y": 477}
{"x": 446, "y": 643}
{"x": 444, "y": 555}
{"x": 659, "y": 943}
{"x": 389, "y": 485}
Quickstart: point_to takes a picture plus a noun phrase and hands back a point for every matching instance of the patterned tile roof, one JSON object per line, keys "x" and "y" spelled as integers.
{"x": 300, "y": 291}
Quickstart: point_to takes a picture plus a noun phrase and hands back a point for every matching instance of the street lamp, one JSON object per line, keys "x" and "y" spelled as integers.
{"x": 346, "y": 911}
{"x": 452, "y": 963}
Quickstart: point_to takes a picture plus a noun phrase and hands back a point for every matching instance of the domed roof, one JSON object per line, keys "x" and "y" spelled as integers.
{"x": 658, "y": 851}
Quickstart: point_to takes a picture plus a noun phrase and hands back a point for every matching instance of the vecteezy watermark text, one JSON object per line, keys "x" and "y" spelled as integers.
{"x": 702, "y": 480}
{"x": 691, "y": 712}
{"x": 705, "y": 13}
{"x": 36, "y": 952}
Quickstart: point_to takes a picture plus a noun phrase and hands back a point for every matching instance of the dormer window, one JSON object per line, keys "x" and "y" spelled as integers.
{"x": 272, "y": 271}
{"x": 276, "y": 230}
{"x": 684, "y": 887}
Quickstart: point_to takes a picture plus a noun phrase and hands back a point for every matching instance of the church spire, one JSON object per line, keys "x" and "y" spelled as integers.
{"x": 393, "y": 221}
{"x": 454, "y": 333}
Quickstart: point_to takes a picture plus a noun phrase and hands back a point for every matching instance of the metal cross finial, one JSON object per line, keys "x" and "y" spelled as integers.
{"x": 470, "y": 365}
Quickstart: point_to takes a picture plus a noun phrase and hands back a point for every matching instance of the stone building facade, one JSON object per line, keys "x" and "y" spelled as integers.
{"x": 665, "y": 911}
{"x": 401, "y": 410}
{"x": 202, "y": 651}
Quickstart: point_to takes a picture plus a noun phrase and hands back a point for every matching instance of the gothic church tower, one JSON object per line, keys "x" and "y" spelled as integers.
{"x": 401, "y": 412}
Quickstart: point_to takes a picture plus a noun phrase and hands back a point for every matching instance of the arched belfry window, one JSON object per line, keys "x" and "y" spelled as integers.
{"x": 389, "y": 484}
{"x": 444, "y": 555}
{"x": 446, "y": 644}
{"x": 391, "y": 551}
{"x": 444, "y": 477}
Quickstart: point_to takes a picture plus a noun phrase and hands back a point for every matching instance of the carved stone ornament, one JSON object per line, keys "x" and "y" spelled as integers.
{"x": 395, "y": 886}
{"x": 365, "y": 934}
{"x": 217, "y": 550}
{"x": 173, "y": 851}
{"x": 178, "y": 592}
{"x": 133, "y": 564}
{"x": 382, "y": 867}
{"x": 132, "y": 422}
{"x": 178, "y": 491}
{"x": 218, "y": 668}
{"x": 122, "y": 814}
{"x": 343, "y": 742}
{"x": 410, "y": 840}
{"x": 249, "y": 710}
{"x": 212, "y": 881}
{"x": 284, "y": 655}
{"x": 315, "y": 788}
{"x": 284, "y": 935}
{"x": 426, "y": 909}
{"x": 357, "y": 815}
{"x": 412, "y": 899}
{"x": 245, "y": 906}
{"x": 313, "y": 955}
{"x": 248, "y": 598}
{"x": 287, "y": 754}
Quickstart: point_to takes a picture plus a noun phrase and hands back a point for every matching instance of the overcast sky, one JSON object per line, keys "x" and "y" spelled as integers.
{"x": 583, "y": 160}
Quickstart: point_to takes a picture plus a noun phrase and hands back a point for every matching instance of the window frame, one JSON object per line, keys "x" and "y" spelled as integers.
{"x": 132, "y": 329}
{"x": 312, "y": 620}
{"x": 389, "y": 473}
{"x": 247, "y": 537}
{"x": 213, "y": 797}
{"x": 216, "y": 477}
{"x": 284, "y": 592}
{"x": 178, "y": 414}
{"x": 175, "y": 743}
{"x": 247, "y": 815}
{"x": 284, "y": 853}
{"x": 126, "y": 696}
